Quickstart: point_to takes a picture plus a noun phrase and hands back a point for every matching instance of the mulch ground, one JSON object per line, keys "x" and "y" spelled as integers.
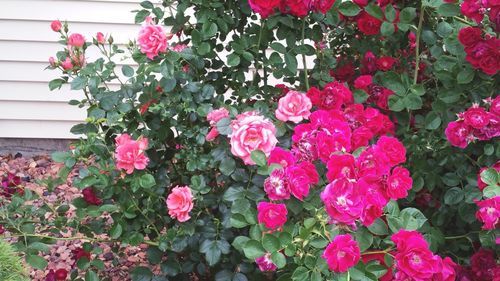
{"x": 60, "y": 255}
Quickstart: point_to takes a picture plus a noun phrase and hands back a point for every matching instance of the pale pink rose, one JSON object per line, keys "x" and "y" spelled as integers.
{"x": 215, "y": 116}
{"x": 251, "y": 131}
{"x": 129, "y": 153}
{"x": 295, "y": 107}
{"x": 76, "y": 40}
{"x": 52, "y": 61}
{"x": 152, "y": 39}
{"x": 66, "y": 64}
{"x": 180, "y": 203}
{"x": 101, "y": 39}
{"x": 56, "y": 25}
{"x": 179, "y": 48}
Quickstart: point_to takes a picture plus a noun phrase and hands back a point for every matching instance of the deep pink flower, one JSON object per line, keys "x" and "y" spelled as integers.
{"x": 264, "y": 7}
{"x": 76, "y": 40}
{"x": 363, "y": 81}
{"x": 276, "y": 185}
{"x": 152, "y": 39}
{"x": 100, "y": 38}
{"x": 299, "y": 181}
{"x": 373, "y": 161}
{"x": 294, "y": 106}
{"x": 265, "y": 263}
{"x": 483, "y": 265}
{"x": 281, "y": 156}
{"x": 341, "y": 166}
{"x": 489, "y": 212}
{"x": 476, "y": 117}
{"x": 322, "y": 6}
{"x": 56, "y": 26}
{"x": 273, "y": 216}
{"x": 251, "y": 131}
{"x": 180, "y": 203}
{"x": 372, "y": 187}
{"x": 368, "y": 24}
{"x": 469, "y": 36}
{"x": 67, "y": 64}
{"x": 90, "y": 197}
{"x": 447, "y": 272}
{"x": 458, "y": 134}
{"x": 495, "y": 106}
{"x": 129, "y": 154}
{"x": 342, "y": 253}
{"x": 398, "y": 183}
{"x": 343, "y": 201}
{"x": 385, "y": 63}
{"x": 472, "y": 9}
{"x": 333, "y": 96}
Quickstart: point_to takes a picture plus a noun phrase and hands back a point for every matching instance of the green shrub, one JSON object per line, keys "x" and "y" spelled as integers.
{"x": 11, "y": 268}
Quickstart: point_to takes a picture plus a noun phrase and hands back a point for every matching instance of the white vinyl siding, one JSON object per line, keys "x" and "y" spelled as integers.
{"x": 27, "y": 108}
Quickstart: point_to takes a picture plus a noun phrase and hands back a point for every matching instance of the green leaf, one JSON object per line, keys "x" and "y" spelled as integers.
{"x": 56, "y": 84}
{"x": 349, "y": 9}
{"x": 396, "y": 103}
{"x": 147, "y": 5}
{"x": 139, "y": 273}
{"x": 60, "y": 156}
{"x": 141, "y": 16}
{"x": 223, "y": 126}
{"x": 432, "y": 121}
{"x": 79, "y": 83}
{"x": 291, "y": 63}
{"x": 116, "y": 231}
{"x": 278, "y": 259}
{"x": 364, "y": 238}
{"x": 413, "y": 101}
{"x": 259, "y": 158}
{"x": 378, "y": 227}
{"x": 407, "y": 15}
{"x": 375, "y": 11}
{"x": 465, "y": 76}
{"x": 213, "y": 254}
{"x": 448, "y": 10}
{"x": 491, "y": 191}
{"x": 387, "y": 28}
{"x": 128, "y": 71}
{"x": 390, "y": 13}
{"x": 453, "y": 196}
{"x": 209, "y": 30}
{"x": 238, "y": 221}
{"x": 239, "y": 242}
{"x": 253, "y": 249}
{"x": 233, "y": 59}
{"x": 227, "y": 166}
{"x": 147, "y": 181}
{"x": 36, "y": 262}
{"x": 412, "y": 219}
{"x": 490, "y": 176}
{"x": 271, "y": 243}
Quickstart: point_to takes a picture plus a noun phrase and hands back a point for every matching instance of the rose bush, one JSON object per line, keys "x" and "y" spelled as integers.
{"x": 361, "y": 165}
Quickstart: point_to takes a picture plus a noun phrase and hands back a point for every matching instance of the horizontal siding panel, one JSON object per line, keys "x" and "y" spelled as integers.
{"x": 39, "y": 31}
{"x": 36, "y": 91}
{"x": 37, "y": 110}
{"x": 73, "y": 11}
{"x": 36, "y": 129}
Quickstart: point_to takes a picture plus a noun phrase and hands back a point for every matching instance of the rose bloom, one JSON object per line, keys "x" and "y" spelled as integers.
{"x": 489, "y": 212}
{"x": 264, "y": 7}
{"x": 299, "y": 179}
{"x": 342, "y": 253}
{"x": 76, "y": 40}
{"x": 368, "y": 24}
{"x": 56, "y": 26}
{"x": 472, "y": 9}
{"x": 152, "y": 39}
{"x": 251, "y": 131}
{"x": 476, "y": 117}
{"x": 265, "y": 263}
{"x": 213, "y": 117}
{"x": 100, "y": 38}
{"x": 343, "y": 201}
{"x": 294, "y": 107}
{"x": 469, "y": 36}
{"x": 52, "y": 61}
{"x": 483, "y": 265}
{"x": 129, "y": 153}
{"x": 276, "y": 185}
{"x": 385, "y": 63}
{"x": 393, "y": 149}
{"x": 282, "y": 157}
{"x": 495, "y": 106}
{"x": 363, "y": 81}
{"x": 458, "y": 134}
{"x": 322, "y": 6}
{"x": 398, "y": 183}
{"x": 90, "y": 197}
{"x": 372, "y": 161}
{"x": 180, "y": 203}
{"x": 273, "y": 216}
{"x": 341, "y": 166}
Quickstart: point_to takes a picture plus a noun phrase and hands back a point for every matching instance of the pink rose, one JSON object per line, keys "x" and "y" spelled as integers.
{"x": 476, "y": 117}
{"x": 342, "y": 253}
{"x": 393, "y": 149}
{"x": 251, "y": 131}
{"x": 66, "y": 64}
{"x": 216, "y": 115}
{"x": 264, "y": 7}
{"x": 295, "y": 107}
{"x": 280, "y": 156}
{"x": 299, "y": 181}
{"x": 343, "y": 201}
{"x": 458, "y": 134}
{"x": 495, "y": 106}
{"x": 489, "y": 212}
{"x": 179, "y": 48}
{"x": 52, "y": 62}
{"x": 341, "y": 166}
{"x": 273, "y": 216}
{"x": 372, "y": 162}
{"x": 76, "y": 40}
{"x": 129, "y": 153}
{"x": 363, "y": 81}
{"x": 265, "y": 263}
{"x": 152, "y": 39}
{"x": 100, "y": 38}
{"x": 276, "y": 185}
{"x": 56, "y": 26}
{"x": 398, "y": 183}
{"x": 180, "y": 203}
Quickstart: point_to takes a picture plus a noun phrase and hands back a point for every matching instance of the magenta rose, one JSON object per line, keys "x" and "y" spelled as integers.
{"x": 393, "y": 149}
{"x": 129, "y": 154}
{"x": 180, "y": 203}
{"x": 264, "y": 7}
{"x": 56, "y": 26}
{"x": 282, "y": 157}
{"x": 76, "y": 40}
{"x": 458, "y": 134}
{"x": 483, "y": 265}
{"x": 469, "y": 36}
{"x": 152, "y": 39}
{"x": 251, "y": 131}
{"x": 276, "y": 185}
{"x": 294, "y": 107}
{"x": 398, "y": 183}
{"x": 341, "y": 166}
{"x": 343, "y": 201}
{"x": 100, "y": 38}
{"x": 342, "y": 253}
{"x": 265, "y": 263}
{"x": 476, "y": 117}
{"x": 273, "y": 216}
{"x": 489, "y": 212}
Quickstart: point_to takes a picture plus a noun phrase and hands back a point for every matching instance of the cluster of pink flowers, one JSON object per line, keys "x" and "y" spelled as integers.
{"x": 213, "y": 117}
{"x": 475, "y": 124}
{"x": 152, "y": 39}
{"x": 129, "y": 153}
{"x": 476, "y": 9}
{"x": 180, "y": 203}
{"x": 252, "y": 131}
{"x": 378, "y": 95}
{"x": 370, "y": 63}
{"x": 361, "y": 187}
{"x": 414, "y": 260}
{"x": 483, "y": 52}
{"x": 298, "y": 8}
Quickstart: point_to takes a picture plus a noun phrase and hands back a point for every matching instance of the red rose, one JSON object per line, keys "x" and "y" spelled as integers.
{"x": 298, "y": 8}
{"x": 490, "y": 62}
{"x": 393, "y": 149}
{"x": 469, "y": 36}
{"x": 61, "y": 274}
{"x": 458, "y": 134}
{"x": 90, "y": 197}
{"x": 385, "y": 63}
{"x": 367, "y": 24}
{"x": 482, "y": 265}
{"x": 472, "y": 9}
{"x": 369, "y": 63}
{"x": 322, "y": 6}
{"x": 264, "y": 7}
{"x": 476, "y": 117}
{"x": 343, "y": 73}
{"x": 495, "y": 106}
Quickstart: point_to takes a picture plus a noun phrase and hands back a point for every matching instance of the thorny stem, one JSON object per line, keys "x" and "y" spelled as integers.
{"x": 306, "y": 75}
{"x": 417, "y": 46}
